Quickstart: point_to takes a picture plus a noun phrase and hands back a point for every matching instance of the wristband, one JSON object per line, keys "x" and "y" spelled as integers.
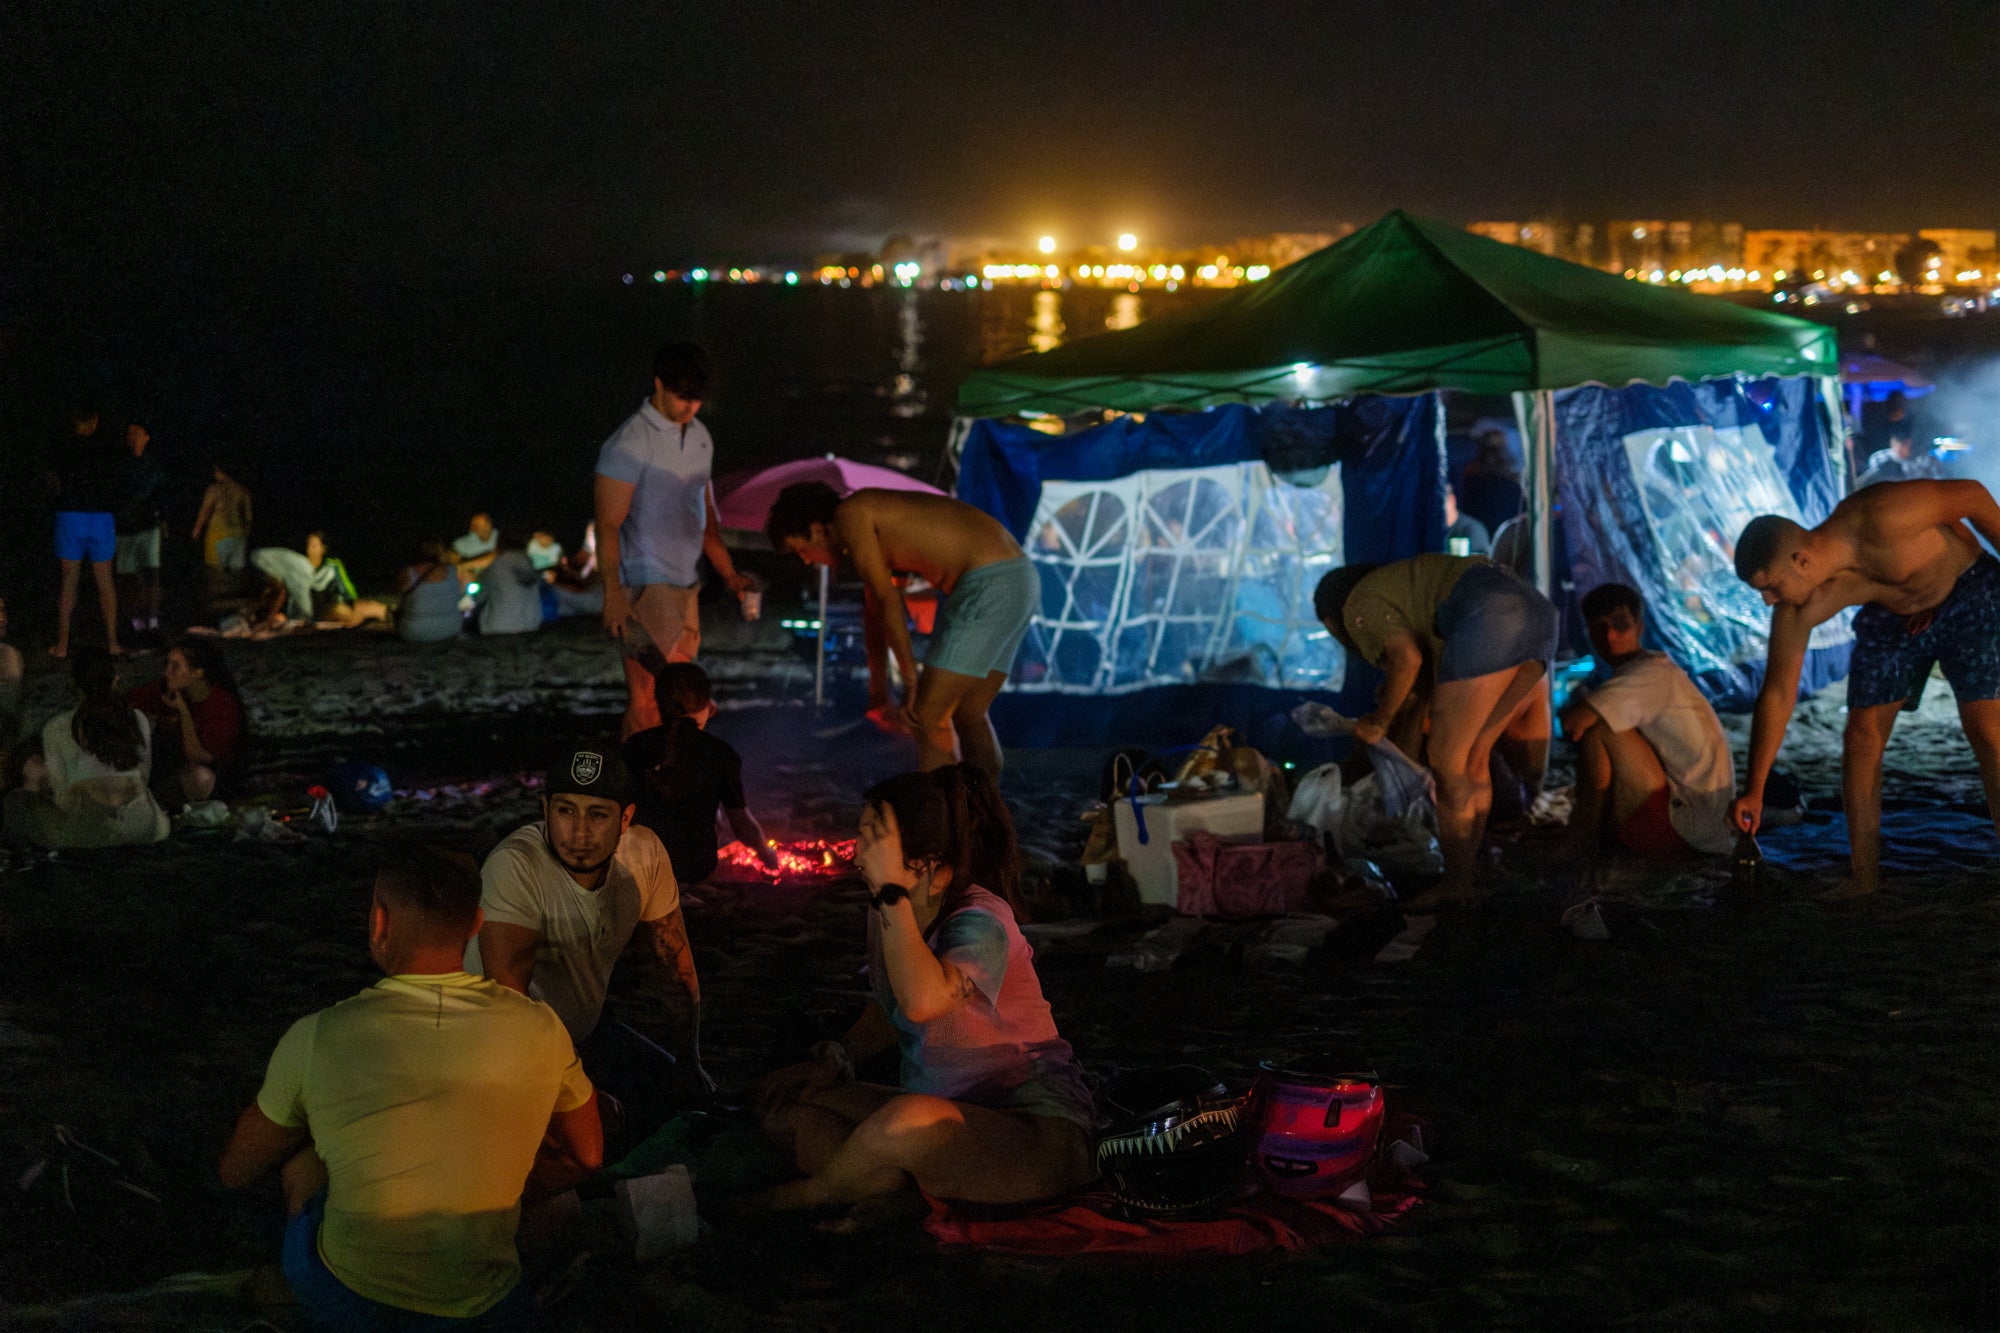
{"x": 890, "y": 893}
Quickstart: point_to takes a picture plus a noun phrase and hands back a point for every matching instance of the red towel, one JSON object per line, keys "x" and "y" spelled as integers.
{"x": 1089, "y": 1223}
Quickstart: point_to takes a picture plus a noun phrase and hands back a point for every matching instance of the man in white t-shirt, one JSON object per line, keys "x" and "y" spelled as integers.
{"x": 1653, "y": 768}
{"x": 655, "y": 512}
{"x": 562, "y": 897}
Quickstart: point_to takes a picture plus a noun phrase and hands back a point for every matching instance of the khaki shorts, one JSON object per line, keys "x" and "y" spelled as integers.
{"x": 138, "y": 551}
{"x": 664, "y": 619}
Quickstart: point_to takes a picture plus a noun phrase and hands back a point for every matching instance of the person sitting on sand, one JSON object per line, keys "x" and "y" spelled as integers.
{"x": 431, "y": 591}
{"x": 197, "y": 716}
{"x": 1905, "y": 553}
{"x": 476, "y": 545}
{"x": 510, "y": 593}
{"x": 991, "y": 1107}
{"x": 684, "y": 774}
{"x": 1483, "y": 640}
{"x": 313, "y": 587}
{"x": 562, "y": 897}
{"x": 990, "y": 592}
{"x": 88, "y": 788}
{"x": 404, "y": 1122}
{"x": 543, "y": 550}
{"x": 1653, "y": 768}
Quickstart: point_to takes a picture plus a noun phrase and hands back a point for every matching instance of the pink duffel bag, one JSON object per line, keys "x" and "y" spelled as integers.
{"x": 1240, "y": 879}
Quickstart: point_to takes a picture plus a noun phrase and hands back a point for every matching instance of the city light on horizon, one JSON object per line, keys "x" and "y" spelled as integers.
{"x": 1047, "y": 245}
{"x": 1128, "y": 242}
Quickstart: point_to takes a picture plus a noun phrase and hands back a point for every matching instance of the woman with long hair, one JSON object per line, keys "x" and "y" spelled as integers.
{"x": 991, "y": 1107}
{"x": 89, "y": 788}
{"x": 197, "y": 716}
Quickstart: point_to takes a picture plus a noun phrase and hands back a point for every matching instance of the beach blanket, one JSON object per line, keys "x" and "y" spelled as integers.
{"x": 1261, "y": 1223}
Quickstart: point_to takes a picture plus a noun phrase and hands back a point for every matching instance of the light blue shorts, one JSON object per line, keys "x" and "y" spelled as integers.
{"x": 981, "y": 624}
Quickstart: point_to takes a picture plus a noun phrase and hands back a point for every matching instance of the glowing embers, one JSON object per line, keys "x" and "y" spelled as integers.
{"x": 807, "y": 858}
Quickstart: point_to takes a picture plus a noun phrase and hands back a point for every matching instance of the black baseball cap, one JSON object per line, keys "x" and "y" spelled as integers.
{"x": 589, "y": 770}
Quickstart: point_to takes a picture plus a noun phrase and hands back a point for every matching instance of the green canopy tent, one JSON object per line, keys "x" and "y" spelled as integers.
{"x": 1411, "y": 305}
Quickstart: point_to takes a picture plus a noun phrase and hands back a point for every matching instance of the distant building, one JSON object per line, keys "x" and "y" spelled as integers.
{"x": 1850, "y": 258}
{"x": 1541, "y": 237}
{"x": 1280, "y": 248}
{"x": 1963, "y": 254}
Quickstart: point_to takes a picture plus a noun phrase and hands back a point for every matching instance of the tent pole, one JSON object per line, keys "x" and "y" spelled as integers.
{"x": 819, "y": 663}
{"x": 1534, "y": 413}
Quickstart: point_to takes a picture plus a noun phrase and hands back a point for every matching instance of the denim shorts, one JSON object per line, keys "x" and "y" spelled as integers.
{"x": 1491, "y": 621}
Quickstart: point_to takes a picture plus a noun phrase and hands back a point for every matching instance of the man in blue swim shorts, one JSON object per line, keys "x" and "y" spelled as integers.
{"x": 1904, "y": 552}
{"x": 84, "y": 475}
{"x": 991, "y": 590}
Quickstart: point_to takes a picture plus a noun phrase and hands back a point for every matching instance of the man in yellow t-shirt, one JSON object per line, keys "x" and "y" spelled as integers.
{"x": 407, "y": 1119}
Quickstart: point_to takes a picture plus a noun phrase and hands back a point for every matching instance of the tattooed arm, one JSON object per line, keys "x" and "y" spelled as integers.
{"x": 927, "y": 987}
{"x": 669, "y": 939}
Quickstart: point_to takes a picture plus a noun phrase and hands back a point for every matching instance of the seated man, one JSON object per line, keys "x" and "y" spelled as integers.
{"x": 509, "y": 594}
{"x": 406, "y": 1119}
{"x": 544, "y": 551}
{"x": 990, "y": 588}
{"x": 1653, "y": 767}
{"x": 1463, "y": 527}
{"x": 477, "y": 545}
{"x": 685, "y": 774}
{"x": 562, "y": 897}
{"x": 1904, "y": 552}
{"x": 1901, "y": 461}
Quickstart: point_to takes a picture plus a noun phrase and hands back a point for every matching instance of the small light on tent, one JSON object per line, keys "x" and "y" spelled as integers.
{"x": 1302, "y": 372}
{"x": 1679, "y": 452}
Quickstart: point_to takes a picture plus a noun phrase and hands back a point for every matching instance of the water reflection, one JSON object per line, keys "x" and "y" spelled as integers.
{"x": 907, "y": 396}
{"x": 1046, "y": 328}
{"x": 1126, "y": 312}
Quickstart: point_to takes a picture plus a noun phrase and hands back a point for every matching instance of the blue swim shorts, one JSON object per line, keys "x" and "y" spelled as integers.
{"x": 981, "y": 624}
{"x": 335, "y": 1307}
{"x": 1491, "y": 621}
{"x": 82, "y": 536}
{"x": 1891, "y": 665}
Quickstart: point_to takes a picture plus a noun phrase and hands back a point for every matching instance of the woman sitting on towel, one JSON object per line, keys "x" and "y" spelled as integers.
{"x": 1483, "y": 639}
{"x": 88, "y": 789}
{"x": 991, "y": 1107}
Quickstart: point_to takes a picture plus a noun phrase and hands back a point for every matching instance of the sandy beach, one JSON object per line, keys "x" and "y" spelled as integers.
{"x": 1744, "y": 1108}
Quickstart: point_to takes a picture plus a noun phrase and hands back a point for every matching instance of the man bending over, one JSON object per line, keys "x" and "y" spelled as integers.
{"x": 1904, "y": 552}
{"x": 562, "y": 898}
{"x": 406, "y": 1119}
{"x": 991, "y": 590}
{"x": 1653, "y": 767}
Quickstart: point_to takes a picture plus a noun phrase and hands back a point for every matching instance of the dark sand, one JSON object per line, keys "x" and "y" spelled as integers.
{"x": 1739, "y": 1111}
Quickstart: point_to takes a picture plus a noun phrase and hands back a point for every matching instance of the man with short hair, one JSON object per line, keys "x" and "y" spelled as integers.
{"x": 991, "y": 590}
{"x": 1653, "y": 767}
{"x": 83, "y": 474}
{"x": 407, "y": 1119}
{"x": 655, "y": 513}
{"x": 140, "y": 528}
{"x": 1901, "y": 461}
{"x": 562, "y": 897}
{"x": 1905, "y": 553}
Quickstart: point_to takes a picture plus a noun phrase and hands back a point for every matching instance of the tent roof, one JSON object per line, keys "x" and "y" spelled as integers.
{"x": 1407, "y": 305}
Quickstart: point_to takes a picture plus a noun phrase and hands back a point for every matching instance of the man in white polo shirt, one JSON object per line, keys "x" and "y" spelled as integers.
{"x": 1653, "y": 768}
{"x": 656, "y": 518}
{"x": 562, "y": 897}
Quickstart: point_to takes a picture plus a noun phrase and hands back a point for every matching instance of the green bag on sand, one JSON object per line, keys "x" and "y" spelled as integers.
{"x": 726, "y": 1154}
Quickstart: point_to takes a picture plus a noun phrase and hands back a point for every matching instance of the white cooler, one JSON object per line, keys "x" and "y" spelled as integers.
{"x": 1238, "y": 816}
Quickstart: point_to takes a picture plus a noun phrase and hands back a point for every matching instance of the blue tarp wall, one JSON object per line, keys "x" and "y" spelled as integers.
{"x": 1654, "y": 484}
{"x": 1390, "y": 452}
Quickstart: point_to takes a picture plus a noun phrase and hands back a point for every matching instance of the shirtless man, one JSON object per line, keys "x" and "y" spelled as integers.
{"x": 991, "y": 589}
{"x": 1904, "y": 553}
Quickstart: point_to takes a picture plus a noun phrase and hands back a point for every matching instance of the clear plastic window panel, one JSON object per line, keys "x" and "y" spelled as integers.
{"x": 1175, "y": 576}
{"x": 1699, "y": 487}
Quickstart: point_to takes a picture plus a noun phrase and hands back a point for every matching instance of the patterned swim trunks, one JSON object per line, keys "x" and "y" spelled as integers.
{"x": 1891, "y": 665}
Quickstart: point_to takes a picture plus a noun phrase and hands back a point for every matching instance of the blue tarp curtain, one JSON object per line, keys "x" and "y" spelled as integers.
{"x": 1390, "y": 451}
{"x": 1656, "y": 483}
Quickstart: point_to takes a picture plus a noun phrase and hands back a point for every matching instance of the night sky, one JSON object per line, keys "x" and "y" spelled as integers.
{"x": 410, "y": 139}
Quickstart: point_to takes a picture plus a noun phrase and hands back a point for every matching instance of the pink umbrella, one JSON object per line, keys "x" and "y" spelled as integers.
{"x": 744, "y": 499}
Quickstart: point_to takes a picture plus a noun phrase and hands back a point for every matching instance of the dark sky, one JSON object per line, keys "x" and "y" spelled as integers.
{"x": 570, "y": 138}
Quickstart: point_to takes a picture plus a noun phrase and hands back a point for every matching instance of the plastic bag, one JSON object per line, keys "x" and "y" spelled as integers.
{"x": 1317, "y": 800}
